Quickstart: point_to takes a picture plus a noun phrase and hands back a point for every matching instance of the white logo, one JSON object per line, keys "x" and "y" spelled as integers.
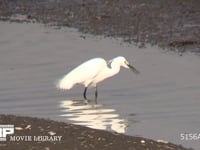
{"x": 5, "y": 130}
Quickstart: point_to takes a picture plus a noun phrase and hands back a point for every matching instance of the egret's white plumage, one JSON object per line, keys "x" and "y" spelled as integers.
{"x": 92, "y": 72}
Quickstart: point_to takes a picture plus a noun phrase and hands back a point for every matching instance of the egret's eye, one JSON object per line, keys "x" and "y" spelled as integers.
{"x": 126, "y": 62}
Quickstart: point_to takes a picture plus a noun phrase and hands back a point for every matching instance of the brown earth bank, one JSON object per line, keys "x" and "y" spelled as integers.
{"x": 41, "y": 134}
{"x": 173, "y": 24}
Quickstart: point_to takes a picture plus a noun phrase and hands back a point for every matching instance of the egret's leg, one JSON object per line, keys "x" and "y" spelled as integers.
{"x": 84, "y": 94}
{"x": 96, "y": 94}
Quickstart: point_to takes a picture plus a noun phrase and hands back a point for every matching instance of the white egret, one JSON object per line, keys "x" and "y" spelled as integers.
{"x": 92, "y": 72}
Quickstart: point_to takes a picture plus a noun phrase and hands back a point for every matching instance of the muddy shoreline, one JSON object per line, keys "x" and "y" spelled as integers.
{"x": 173, "y": 25}
{"x": 73, "y": 137}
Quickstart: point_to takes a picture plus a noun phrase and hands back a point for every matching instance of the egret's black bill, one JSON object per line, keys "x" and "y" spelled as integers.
{"x": 133, "y": 69}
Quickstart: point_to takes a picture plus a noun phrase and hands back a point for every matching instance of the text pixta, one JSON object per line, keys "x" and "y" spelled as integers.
{"x": 5, "y": 130}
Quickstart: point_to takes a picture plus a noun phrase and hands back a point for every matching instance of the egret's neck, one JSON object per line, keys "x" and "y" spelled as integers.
{"x": 108, "y": 72}
{"x": 115, "y": 68}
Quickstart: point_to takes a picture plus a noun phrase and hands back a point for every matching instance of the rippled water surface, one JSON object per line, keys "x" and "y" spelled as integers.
{"x": 160, "y": 103}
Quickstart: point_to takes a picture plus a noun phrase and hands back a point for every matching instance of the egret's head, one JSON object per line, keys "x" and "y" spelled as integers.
{"x": 124, "y": 63}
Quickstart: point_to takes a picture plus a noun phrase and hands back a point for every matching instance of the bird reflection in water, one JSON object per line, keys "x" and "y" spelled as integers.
{"x": 92, "y": 115}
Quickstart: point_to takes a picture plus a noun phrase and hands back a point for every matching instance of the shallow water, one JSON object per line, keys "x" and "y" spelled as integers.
{"x": 160, "y": 103}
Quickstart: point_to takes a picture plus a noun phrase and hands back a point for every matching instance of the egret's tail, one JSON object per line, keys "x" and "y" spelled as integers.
{"x": 64, "y": 84}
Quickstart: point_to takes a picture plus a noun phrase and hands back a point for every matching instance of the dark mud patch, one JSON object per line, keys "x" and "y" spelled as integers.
{"x": 73, "y": 137}
{"x": 169, "y": 24}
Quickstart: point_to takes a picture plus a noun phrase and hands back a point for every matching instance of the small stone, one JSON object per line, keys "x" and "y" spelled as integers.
{"x": 52, "y": 133}
{"x": 46, "y": 148}
{"x": 28, "y": 127}
{"x": 162, "y": 141}
{"x": 142, "y": 141}
{"x": 19, "y": 128}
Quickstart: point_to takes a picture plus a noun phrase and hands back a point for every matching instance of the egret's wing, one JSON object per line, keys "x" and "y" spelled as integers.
{"x": 83, "y": 74}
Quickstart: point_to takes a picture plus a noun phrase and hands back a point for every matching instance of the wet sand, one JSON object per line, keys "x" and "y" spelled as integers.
{"x": 169, "y": 24}
{"x": 160, "y": 103}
